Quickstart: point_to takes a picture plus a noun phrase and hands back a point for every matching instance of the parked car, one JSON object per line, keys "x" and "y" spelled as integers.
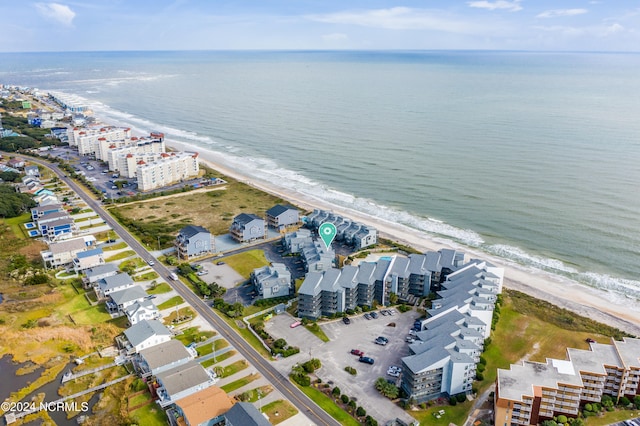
{"x": 367, "y": 316}
{"x": 220, "y": 263}
{"x": 366, "y": 360}
{"x": 384, "y": 312}
{"x": 394, "y": 371}
{"x": 392, "y": 312}
{"x": 410, "y": 339}
{"x": 296, "y": 324}
{"x": 374, "y": 315}
{"x": 202, "y": 272}
{"x": 346, "y": 320}
{"x": 590, "y": 340}
{"x": 357, "y": 352}
{"x": 381, "y": 341}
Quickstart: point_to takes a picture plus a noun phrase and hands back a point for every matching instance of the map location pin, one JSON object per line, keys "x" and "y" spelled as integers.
{"x": 327, "y": 232}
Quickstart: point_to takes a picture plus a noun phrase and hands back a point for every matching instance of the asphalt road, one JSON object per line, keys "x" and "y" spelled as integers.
{"x": 280, "y": 382}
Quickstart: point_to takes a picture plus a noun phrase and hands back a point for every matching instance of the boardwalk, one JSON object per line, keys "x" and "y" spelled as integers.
{"x": 72, "y": 376}
{"x": 12, "y": 417}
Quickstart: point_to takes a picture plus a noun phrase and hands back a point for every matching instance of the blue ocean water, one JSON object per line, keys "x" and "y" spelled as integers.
{"x": 530, "y": 156}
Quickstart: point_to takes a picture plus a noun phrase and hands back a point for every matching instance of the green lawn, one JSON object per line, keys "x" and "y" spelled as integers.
{"x": 193, "y": 334}
{"x": 452, "y": 414}
{"x": 230, "y": 387}
{"x": 16, "y": 224}
{"x": 244, "y": 263}
{"x": 150, "y": 414}
{"x": 94, "y": 315}
{"x": 147, "y": 276}
{"x": 231, "y": 369}
{"x": 139, "y": 399}
{"x": 279, "y": 411}
{"x": 183, "y": 315}
{"x": 208, "y": 363}
{"x": 120, "y": 256}
{"x": 171, "y": 303}
{"x": 252, "y": 395}
{"x": 210, "y": 347}
{"x": 160, "y": 289}
{"x": 329, "y": 406}
{"x": 612, "y": 417}
{"x": 117, "y": 246}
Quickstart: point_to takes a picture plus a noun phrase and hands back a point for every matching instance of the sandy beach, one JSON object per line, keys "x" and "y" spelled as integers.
{"x": 560, "y": 291}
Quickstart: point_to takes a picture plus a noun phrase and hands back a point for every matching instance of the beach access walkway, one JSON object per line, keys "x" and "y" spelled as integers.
{"x": 12, "y": 417}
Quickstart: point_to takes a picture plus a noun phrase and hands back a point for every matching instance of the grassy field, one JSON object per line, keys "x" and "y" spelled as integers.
{"x": 253, "y": 394}
{"x": 452, "y": 414}
{"x": 212, "y": 208}
{"x": 118, "y": 246}
{"x": 317, "y": 331}
{"x": 183, "y": 315}
{"x": 230, "y": 387}
{"x": 279, "y": 411}
{"x": 247, "y": 335}
{"x": 244, "y": 263}
{"x": 329, "y": 406}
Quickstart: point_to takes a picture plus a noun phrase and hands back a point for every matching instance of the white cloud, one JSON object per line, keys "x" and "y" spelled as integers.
{"x": 598, "y": 31}
{"x": 334, "y": 37}
{"x": 57, "y": 12}
{"x": 400, "y": 18}
{"x": 561, "y": 12}
{"x": 512, "y": 6}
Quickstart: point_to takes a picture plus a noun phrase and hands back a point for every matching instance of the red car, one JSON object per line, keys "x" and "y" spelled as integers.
{"x": 357, "y": 352}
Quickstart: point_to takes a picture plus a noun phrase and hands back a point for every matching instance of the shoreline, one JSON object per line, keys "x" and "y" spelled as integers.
{"x": 560, "y": 291}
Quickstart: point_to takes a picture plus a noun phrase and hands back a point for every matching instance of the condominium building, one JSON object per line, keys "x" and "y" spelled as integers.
{"x": 442, "y": 362}
{"x": 349, "y": 232}
{"x": 124, "y": 159}
{"x": 168, "y": 169}
{"x": 531, "y": 392}
{"x": 95, "y": 141}
{"x": 272, "y": 281}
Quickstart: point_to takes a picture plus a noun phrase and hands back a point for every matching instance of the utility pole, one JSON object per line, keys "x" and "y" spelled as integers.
{"x": 158, "y": 242}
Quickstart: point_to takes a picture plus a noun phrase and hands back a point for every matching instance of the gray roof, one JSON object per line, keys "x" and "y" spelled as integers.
{"x": 114, "y": 281}
{"x": 245, "y": 414}
{"x": 164, "y": 353}
{"x": 107, "y": 268}
{"x": 521, "y": 379}
{"x": 145, "y": 329}
{"x": 595, "y": 359}
{"x": 145, "y": 304}
{"x": 278, "y": 209}
{"x": 629, "y": 350}
{"x": 52, "y": 216}
{"x": 128, "y": 294}
{"x": 183, "y": 377}
{"x": 191, "y": 230}
{"x": 64, "y": 246}
{"x": 244, "y": 218}
{"x": 435, "y": 357}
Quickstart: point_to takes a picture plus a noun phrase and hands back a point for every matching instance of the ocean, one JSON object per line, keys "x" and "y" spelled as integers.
{"x": 534, "y": 157}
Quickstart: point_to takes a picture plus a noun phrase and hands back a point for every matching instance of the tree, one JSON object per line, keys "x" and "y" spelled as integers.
{"x": 624, "y": 401}
{"x": 636, "y": 401}
{"x": 393, "y": 298}
{"x": 360, "y": 412}
{"x": 280, "y": 344}
{"x": 335, "y": 392}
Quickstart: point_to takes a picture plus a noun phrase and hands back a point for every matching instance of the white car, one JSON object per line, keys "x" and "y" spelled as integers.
{"x": 394, "y": 371}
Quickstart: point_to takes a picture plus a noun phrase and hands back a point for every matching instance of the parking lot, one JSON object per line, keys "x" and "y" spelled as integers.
{"x": 335, "y": 355}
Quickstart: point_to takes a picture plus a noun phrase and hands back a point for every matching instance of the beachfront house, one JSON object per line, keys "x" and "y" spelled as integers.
{"x": 293, "y": 242}
{"x": 119, "y": 301}
{"x": 112, "y": 283}
{"x": 247, "y": 227}
{"x": 206, "y": 407}
{"x": 162, "y": 357}
{"x": 88, "y": 259}
{"x": 96, "y": 273}
{"x": 282, "y": 217}
{"x": 62, "y": 253}
{"x": 142, "y": 310}
{"x": 145, "y": 334}
{"x": 272, "y": 281}
{"x": 193, "y": 241}
{"x": 180, "y": 382}
{"x": 245, "y": 414}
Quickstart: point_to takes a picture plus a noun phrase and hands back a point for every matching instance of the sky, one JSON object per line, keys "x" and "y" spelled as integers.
{"x": 534, "y": 25}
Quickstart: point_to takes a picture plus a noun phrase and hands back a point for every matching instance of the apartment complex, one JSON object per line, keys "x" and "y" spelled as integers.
{"x": 327, "y": 291}
{"x": 168, "y": 169}
{"x": 531, "y": 392}
{"x": 124, "y": 159}
{"x": 192, "y": 241}
{"x": 272, "y": 281}
{"x": 443, "y": 359}
{"x": 96, "y": 141}
{"x": 349, "y": 232}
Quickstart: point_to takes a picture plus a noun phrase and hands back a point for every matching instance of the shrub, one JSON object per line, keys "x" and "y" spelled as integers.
{"x": 562, "y": 419}
{"x": 624, "y": 401}
{"x": 361, "y": 412}
{"x": 588, "y": 407}
{"x": 404, "y": 308}
{"x": 370, "y": 421}
{"x": 461, "y": 397}
{"x": 479, "y": 377}
{"x": 453, "y": 401}
{"x": 350, "y": 370}
{"x": 301, "y": 379}
{"x": 344, "y": 398}
{"x": 336, "y": 392}
{"x": 280, "y": 344}
{"x": 352, "y": 404}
